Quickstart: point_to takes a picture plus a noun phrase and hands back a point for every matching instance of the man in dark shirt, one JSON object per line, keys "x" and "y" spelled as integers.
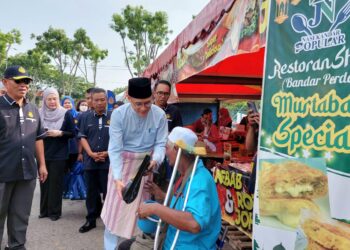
{"x": 94, "y": 134}
{"x": 162, "y": 91}
{"x": 21, "y": 135}
{"x": 81, "y": 117}
{"x": 88, "y": 94}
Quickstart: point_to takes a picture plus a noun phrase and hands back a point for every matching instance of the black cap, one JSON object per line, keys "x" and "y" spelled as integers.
{"x": 16, "y": 72}
{"x": 207, "y": 111}
{"x": 140, "y": 88}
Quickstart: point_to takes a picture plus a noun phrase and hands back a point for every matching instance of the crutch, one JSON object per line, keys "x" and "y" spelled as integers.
{"x": 165, "y": 203}
{"x": 186, "y": 199}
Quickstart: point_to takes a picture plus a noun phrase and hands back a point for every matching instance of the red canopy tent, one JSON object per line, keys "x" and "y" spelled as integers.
{"x": 218, "y": 55}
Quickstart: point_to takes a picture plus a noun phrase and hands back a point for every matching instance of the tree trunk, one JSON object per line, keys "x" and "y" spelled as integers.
{"x": 94, "y": 71}
{"x": 61, "y": 69}
{"x": 126, "y": 58}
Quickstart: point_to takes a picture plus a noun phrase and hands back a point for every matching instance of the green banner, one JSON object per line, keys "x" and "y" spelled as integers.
{"x": 304, "y": 154}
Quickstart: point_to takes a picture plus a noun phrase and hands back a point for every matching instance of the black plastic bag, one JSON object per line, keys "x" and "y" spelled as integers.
{"x": 131, "y": 190}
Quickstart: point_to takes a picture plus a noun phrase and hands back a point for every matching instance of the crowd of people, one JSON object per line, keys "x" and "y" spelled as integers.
{"x": 47, "y": 142}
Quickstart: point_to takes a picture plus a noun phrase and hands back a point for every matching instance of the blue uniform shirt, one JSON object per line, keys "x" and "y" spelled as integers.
{"x": 203, "y": 204}
{"x": 95, "y": 129}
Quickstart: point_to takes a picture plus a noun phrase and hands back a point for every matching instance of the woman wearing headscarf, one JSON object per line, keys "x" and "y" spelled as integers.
{"x": 59, "y": 124}
{"x": 224, "y": 118}
{"x": 67, "y": 102}
{"x": 73, "y": 169}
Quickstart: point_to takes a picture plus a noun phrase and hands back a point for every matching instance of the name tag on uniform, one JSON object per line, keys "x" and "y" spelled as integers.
{"x": 31, "y": 119}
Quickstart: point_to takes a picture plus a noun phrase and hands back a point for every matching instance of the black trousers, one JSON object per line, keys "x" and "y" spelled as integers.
{"x": 71, "y": 160}
{"x": 15, "y": 205}
{"x": 96, "y": 183}
{"x": 126, "y": 244}
{"x": 51, "y": 190}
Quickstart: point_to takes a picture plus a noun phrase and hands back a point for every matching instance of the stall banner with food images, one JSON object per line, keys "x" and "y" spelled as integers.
{"x": 235, "y": 200}
{"x": 241, "y": 30}
{"x": 303, "y": 173}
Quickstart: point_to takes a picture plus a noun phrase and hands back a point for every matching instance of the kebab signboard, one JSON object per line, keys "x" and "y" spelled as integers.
{"x": 304, "y": 154}
{"x": 236, "y": 202}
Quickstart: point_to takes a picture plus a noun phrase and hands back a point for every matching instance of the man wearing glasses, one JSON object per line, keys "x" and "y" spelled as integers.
{"x": 161, "y": 94}
{"x": 20, "y": 139}
{"x": 162, "y": 91}
{"x": 137, "y": 128}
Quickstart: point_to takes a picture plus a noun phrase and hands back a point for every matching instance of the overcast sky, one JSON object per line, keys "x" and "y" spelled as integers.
{"x": 35, "y": 16}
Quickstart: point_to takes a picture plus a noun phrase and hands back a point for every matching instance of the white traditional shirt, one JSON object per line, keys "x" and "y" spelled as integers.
{"x": 130, "y": 132}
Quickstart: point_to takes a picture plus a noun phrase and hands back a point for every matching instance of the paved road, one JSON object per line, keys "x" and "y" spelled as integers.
{"x": 44, "y": 234}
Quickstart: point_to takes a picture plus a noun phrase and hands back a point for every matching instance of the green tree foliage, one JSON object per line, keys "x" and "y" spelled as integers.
{"x": 80, "y": 87}
{"x": 238, "y": 107}
{"x": 68, "y": 54}
{"x": 55, "y": 61}
{"x": 45, "y": 74}
{"x": 147, "y": 32}
{"x": 96, "y": 55}
{"x": 120, "y": 90}
{"x": 38, "y": 65}
{"x": 117, "y": 91}
{"x": 56, "y": 45}
{"x": 7, "y": 40}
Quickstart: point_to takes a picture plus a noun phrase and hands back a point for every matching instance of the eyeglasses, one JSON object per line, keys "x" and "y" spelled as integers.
{"x": 24, "y": 80}
{"x": 161, "y": 93}
{"x": 142, "y": 104}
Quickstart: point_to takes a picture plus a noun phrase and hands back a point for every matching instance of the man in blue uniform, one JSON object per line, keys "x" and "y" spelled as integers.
{"x": 94, "y": 134}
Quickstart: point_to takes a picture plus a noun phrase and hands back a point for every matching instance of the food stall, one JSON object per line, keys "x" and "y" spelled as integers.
{"x": 302, "y": 166}
{"x": 218, "y": 57}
